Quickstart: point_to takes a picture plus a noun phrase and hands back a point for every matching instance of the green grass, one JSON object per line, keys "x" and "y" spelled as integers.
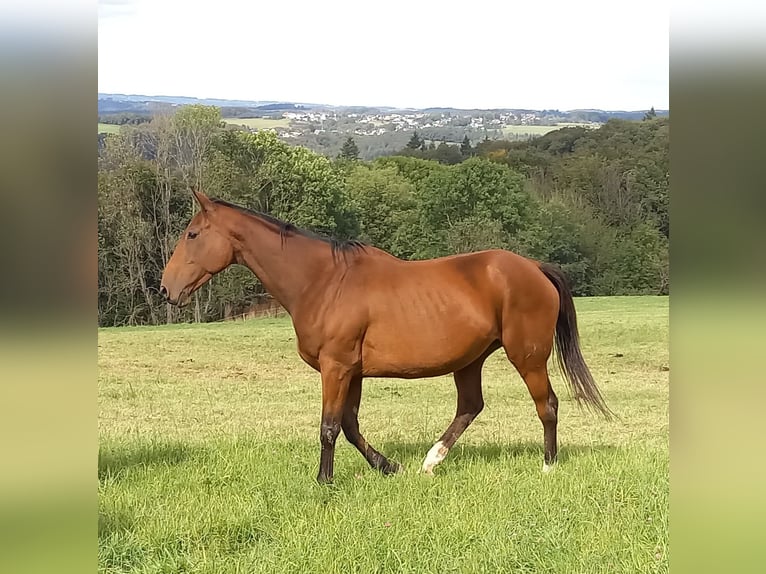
{"x": 108, "y": 128}
{"x": 209, "y": 450}
{"x": 259, "y": 123}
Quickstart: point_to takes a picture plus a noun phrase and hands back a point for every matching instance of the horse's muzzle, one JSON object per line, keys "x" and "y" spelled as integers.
{"x": 180, "y": 301}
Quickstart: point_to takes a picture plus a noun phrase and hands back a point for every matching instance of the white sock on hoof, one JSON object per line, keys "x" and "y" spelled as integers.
{"x": 437, "y": 454}
{"x": 547, "y": 467}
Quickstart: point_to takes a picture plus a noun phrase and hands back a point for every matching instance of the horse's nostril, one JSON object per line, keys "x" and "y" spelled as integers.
{"x": 163, "y": 291}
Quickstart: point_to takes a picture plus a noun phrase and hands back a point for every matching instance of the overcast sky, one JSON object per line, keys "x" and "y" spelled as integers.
{"x": 542, "y": 54}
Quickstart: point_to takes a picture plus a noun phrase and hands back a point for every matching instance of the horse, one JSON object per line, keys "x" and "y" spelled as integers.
{"x": 359, "y": 312}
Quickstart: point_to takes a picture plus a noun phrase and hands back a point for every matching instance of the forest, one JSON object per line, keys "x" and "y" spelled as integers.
{"x": 594, "y": 201}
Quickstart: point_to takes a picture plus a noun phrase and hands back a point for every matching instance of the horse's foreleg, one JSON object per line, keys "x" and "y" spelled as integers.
{"x": 469, "y": 404}
{"x": 350, "y": 425}
{"x": 336, "y": 378}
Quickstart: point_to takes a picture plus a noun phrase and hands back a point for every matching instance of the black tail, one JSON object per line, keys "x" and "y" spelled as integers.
{"x": 568, "y": 353}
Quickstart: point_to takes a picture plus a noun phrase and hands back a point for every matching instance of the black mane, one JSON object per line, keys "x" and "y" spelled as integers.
{"x": 287, "y": 229}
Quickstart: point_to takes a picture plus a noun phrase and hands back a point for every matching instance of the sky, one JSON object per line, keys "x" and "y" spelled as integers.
{"x": 542, "y": 54}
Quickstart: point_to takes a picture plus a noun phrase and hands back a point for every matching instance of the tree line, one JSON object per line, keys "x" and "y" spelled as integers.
{"x": 593, "y": 201}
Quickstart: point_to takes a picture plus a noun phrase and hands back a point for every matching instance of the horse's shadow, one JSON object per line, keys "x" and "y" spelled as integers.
{"x": 492, "y": 451}
{"x": 114, "y": 460}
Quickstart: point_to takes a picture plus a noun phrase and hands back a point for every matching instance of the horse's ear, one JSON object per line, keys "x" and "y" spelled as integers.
{"x": 204, "y": 201}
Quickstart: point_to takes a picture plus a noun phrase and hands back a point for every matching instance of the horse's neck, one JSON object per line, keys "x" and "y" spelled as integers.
{"x": 287, "y": 266}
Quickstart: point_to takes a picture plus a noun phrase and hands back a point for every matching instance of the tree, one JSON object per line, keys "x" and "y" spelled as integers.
{"x": 415, "y": 141}
{"x": 465, "y": 147}
{"x": 260, "y": 171}
{"x": 651, "y": 114}
{"x": 384, "y": 204}
{"x": 349, "y": 150}
{"x": 193, "y": 129}
{"x": 447, "y": 154}
{"x": 477, "y": 190}
{"x": 476, "y": 233}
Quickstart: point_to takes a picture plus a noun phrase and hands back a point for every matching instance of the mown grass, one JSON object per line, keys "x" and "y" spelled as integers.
{"x": 259, "y": 123}
{"x": 209, "y": 450}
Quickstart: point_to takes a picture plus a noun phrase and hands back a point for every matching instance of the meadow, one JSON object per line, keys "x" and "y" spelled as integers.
{"x": 534, "y": 130}
{"x": 108, "y": 128}
{"x": 259, "y": 123}
{"x": 209, "y": 448}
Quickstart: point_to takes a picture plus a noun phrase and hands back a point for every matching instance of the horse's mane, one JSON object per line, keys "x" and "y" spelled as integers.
{"x": 288, "y": 229}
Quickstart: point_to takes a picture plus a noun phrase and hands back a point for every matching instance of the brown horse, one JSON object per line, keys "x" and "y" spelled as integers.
{"x": 361, "y": 312}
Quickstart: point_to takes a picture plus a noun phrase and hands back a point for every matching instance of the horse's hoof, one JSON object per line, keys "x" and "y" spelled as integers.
{"x": 392, "y": 468}
{"x": 548, "y": 467}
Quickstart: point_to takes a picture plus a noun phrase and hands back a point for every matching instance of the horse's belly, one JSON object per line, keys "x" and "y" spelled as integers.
{"x": 427, "y": 350}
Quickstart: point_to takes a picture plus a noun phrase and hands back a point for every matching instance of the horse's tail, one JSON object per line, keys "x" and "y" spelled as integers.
{"x": 567, "y": 341}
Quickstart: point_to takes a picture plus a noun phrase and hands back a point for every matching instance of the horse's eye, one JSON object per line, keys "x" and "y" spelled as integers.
{"x": 192, "y": 234}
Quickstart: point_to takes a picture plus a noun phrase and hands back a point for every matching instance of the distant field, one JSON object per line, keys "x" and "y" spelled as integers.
{"x": 209, "y": 446}
{"x": 259, "y": 123}
{"x": 108, "y": 128}
{"x": 539, "y": 130}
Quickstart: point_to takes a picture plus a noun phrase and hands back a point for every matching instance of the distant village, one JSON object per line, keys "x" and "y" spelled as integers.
{"x": 376, "y": 124}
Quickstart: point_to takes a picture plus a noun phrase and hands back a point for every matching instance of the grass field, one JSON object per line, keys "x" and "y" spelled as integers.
{"x": 259, "y": 123}
{"x": 209, "y": 450}
{"x": 538, "y": 130}
{"x": 108, "y": 128}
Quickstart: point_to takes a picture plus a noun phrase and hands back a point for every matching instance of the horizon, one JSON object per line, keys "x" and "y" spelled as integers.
{"x": 321, "y": 104}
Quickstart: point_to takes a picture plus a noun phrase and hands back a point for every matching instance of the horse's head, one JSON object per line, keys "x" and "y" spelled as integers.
{"x": 201, "y": 252}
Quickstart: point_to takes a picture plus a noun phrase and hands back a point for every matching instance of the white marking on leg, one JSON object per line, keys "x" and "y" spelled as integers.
{"x": 547, "y": 467}
{"x": 437, "y": 454}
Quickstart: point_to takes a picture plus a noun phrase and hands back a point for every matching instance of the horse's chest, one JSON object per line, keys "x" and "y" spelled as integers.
{"x": 328, "y": 337}
{"x": 309, "y": 351}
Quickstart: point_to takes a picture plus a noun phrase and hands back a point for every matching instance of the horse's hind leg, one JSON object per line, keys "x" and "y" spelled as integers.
{"x": 469, "y": 404}
{"x": 350, "y": 426}
{"x": 547, "y": 405}
{"x": 528, "y": 342}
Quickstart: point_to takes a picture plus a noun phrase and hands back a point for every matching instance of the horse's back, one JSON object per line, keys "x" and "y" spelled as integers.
{"x": 488, "y": 274}
{"x": 436, "y": 316}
